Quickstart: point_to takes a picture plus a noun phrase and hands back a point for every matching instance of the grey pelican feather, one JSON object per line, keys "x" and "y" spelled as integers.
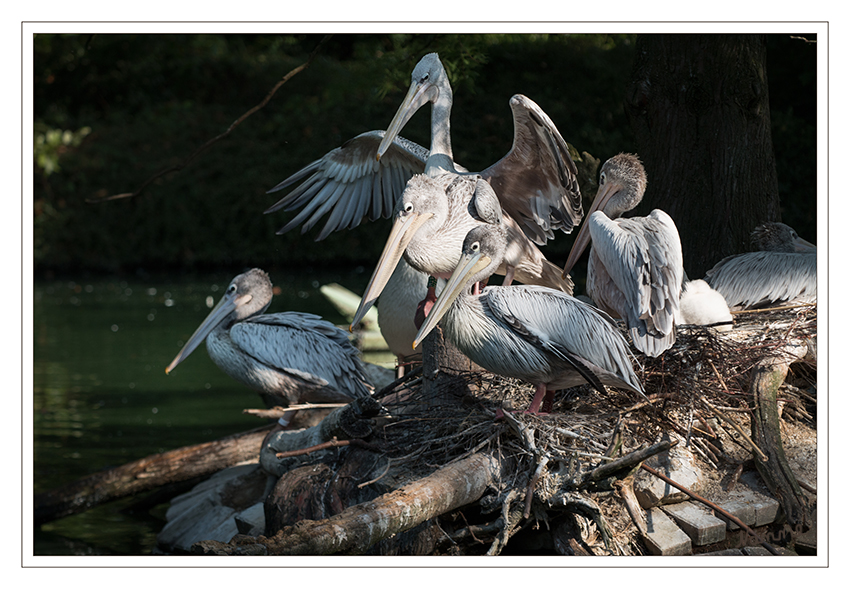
{"x": 786, "y": 270}
{"x": 635, "y": 268}
{"x": 290, "y": 357}
{"x": 530, "y": 332}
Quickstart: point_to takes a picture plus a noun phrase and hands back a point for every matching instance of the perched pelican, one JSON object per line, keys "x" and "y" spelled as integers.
{"x": 635, "y": 269}
{"x": 533, "y": 190}
{"x": 397, "y": 308}
{"x": 785, "y": 270}
{"x": 779, "y": 237}
{"x": 702, "y": 305}
{"x": 295, "y": 357}
{"x": 534, "y": 333}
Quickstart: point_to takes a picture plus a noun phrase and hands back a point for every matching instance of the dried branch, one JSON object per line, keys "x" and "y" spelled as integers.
{"x": 233, "y": 125}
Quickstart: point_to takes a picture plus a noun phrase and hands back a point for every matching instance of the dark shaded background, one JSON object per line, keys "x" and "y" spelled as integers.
{"x": 150, "y": 100}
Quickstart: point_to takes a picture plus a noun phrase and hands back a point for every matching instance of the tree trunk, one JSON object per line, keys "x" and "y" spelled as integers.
{"x": 698, "y": 105}
{"x": 359, "y": 527}
{"x": 148, "y": 473}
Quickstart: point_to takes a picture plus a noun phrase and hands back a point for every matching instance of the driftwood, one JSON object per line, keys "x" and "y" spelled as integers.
{"x": 146, "y": 474}
{"x": 767, "y": 376}
{"x": 357, "y": 528}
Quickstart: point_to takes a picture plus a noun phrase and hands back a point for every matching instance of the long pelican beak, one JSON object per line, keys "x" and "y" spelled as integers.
{"x": 603, "y": 195}
{"x": 418, "y": 96}
{"x": 804, "y": 247}
{"x": 404, "y": 228}
{"x": 468, "y": 266}
{"x": 225, "y": 307}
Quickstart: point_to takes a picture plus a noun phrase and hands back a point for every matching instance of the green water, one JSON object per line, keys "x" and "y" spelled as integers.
{"x": 101, "y": 397}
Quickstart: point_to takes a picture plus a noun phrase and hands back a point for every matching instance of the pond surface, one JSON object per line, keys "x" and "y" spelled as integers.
{"x": 101, "y": 397}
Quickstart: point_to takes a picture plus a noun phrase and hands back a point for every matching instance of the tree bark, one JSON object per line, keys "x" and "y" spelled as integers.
{"x": 698, "y": 105}
{"x": 359, "y": 527}
{"x": 148, "y": 473}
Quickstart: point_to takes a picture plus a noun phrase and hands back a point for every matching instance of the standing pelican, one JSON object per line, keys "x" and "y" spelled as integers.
{"x": 533, "y": 190}
{"x": 635, "y": 268}
{"x": 785, "y": 270}
{"x": 530, "y": 332}
{"x": 295, "y": 357}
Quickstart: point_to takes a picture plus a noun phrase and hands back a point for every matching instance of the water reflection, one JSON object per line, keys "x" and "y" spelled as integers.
{"x": 101, "y": 396}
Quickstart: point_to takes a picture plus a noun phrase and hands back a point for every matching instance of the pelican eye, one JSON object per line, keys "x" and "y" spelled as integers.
{"x": 408, "y": 207}
{"x": 475, "y": 246}
{"x": 231, "y": 289}
{"x": 602, "y": 178}
{"x": 424, "y": 78}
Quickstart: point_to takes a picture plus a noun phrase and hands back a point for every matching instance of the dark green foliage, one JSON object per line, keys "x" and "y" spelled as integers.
{"x": 151, "y": 100}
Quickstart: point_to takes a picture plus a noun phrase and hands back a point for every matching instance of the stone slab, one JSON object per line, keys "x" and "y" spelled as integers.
{"x": 678, "y": 464}
{"x": 743, "y": 510}
{"x": 697, "y": 522}
{"x": 664, "y": 537}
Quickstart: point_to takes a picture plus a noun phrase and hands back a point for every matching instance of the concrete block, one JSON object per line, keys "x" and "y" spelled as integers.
{"x": 664, "y": 537}
{"x": 743, "y": 510}
{"x": 678, "y": 464}
{"x": 753, "y": 492}
{"x": 726, "y": 552}
{"x": 252, "y": 521}
{"x": 697, "y": 522}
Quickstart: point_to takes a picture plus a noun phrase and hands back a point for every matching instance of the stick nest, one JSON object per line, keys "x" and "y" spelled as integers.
{"x": 704, "y": 373}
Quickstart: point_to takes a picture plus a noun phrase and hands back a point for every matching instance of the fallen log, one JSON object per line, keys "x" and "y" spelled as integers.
{"x": 359, "y": 527}
{"x": 148, "y": 473}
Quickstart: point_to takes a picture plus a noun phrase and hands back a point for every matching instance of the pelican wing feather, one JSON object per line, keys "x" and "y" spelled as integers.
{"x": 643, "y": 258}
{"x": 288, "y": 340}
{"x": 349, "y": 182}
{"x": 537, "y": 180}
{"x": 760, "y": 278}
{"x": 576, "y": 333}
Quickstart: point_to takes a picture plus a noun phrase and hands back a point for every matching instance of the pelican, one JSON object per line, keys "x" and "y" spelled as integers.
{"x": 785, "y": 270}
{"x": 534, "y": 333}
{"x": 536, "y": 181}
{"x": 295, "y": 356}
{"x": 533, "y": 190}
{"x": 702, "y": 305}
{"x": 397, "y": 308}
{"x": 635, "y": 269}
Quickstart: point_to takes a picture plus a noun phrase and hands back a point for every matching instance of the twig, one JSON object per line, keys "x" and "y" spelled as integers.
{"x": 233, "y": 125}
{"x": 334, "y": 443}
{"x": 737, "y": 428}
{"x": 713, "y": 506}
{"x": 529, "y": 494}
{"x": 782, "y": 308}
{"x": 627, "y": 461}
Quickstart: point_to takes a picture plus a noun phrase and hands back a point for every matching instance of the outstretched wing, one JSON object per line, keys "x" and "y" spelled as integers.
{"x": 537, "y": 180}
{"x": 349, "y": 182}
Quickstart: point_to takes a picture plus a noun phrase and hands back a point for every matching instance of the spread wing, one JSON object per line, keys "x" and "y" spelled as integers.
{"x": 349, "y": 182}
{"x": 537, "y": 180}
